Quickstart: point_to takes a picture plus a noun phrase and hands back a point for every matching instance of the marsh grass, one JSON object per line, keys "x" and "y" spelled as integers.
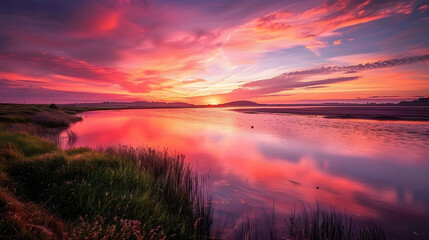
{"x": 185, "y": 190}
{"x": 247, "y": 229}
{"x": 42, "y": 115}
{"x": 309, "y": 223}
{"x": 53, "y": 135}
{"x": 320, "y": 224}
{"x": 270, "y": 220}
{"x": 157, "y": 191}
{"x": 23, "y": 220}
{"x": 54, "y": 119}
{"x": 24, "y": 143}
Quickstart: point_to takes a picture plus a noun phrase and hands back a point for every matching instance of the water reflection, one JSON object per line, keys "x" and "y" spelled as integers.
{"x": 370, "y": 168}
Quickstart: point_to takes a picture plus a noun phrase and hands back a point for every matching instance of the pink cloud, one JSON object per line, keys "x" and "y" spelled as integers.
{"x": 56, "y": 64}
{"x": 423, "y": 8}
{"x": 283, "y": 29}
{"x": 20, "y": 91}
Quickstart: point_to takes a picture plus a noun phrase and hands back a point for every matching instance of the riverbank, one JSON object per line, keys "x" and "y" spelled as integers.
{"x": 404, "y": 113}
{"x": 117, "y": 192}
{"x": 82, "y": 192}
{"x": 51, "y": 116}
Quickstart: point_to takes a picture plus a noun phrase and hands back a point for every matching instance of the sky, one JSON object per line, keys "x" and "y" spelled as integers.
{"x": 214, "y": 51}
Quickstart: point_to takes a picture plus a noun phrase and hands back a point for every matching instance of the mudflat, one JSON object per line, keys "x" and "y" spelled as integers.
{"x": 409, "y": 113}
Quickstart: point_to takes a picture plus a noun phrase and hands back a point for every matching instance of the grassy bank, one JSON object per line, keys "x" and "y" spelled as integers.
{"x": 78, "y": 193}
{"x": 61, "y": 116}
{"x": 43, "y": 115}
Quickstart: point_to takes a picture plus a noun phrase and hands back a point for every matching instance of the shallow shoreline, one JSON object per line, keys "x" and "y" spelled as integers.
{"x": 401, "y": 113}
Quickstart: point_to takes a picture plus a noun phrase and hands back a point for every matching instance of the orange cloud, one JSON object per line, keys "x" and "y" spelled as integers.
{"x": 337, "y": 42}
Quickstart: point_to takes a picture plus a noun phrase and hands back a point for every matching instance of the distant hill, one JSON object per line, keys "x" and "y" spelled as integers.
{"x": 417, "y": 102}
{"x": 137, "y": 104}
{"x": 239, "y": 104}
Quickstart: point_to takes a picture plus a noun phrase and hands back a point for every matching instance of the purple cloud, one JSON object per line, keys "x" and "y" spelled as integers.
{"x": 13, "y": 92}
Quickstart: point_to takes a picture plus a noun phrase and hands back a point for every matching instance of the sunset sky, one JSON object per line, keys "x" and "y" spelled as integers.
{"x": 216, "y": 51}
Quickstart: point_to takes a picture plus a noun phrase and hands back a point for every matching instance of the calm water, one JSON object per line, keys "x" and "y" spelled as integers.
{"x": 377, "y": 169}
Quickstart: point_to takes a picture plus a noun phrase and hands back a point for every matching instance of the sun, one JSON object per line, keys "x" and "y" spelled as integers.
{"x": 213, "y": 101}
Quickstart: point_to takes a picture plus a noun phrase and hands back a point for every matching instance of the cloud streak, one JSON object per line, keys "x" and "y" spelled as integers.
{"x": 299, "y": 79}
{"x": 346, "y": 69}
{"x": 11, "y": 91}
{"x": 63, "y": 66}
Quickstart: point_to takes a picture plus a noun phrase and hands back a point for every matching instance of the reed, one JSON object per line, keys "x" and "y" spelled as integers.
{"x": 320, "y": 224}
{"x": 310, "y": 223}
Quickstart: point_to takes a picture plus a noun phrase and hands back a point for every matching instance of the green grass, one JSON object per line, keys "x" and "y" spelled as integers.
{"x": 155, "y": 192}
{"x": 25, "y": 144}
{"x": 43, "y": 115}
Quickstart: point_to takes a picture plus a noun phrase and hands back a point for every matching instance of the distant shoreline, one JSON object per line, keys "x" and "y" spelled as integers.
{"x": 21, "y": 113}
{"x": 373, "y": 112}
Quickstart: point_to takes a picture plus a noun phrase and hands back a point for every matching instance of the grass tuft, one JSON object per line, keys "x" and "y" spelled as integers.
{"x": 24, "y": 143}
{"x": 20, "y": 220}
{"x": 320, "y": 224}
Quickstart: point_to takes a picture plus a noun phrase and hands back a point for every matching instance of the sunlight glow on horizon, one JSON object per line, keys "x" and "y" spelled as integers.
{"x": 213, "y": 101}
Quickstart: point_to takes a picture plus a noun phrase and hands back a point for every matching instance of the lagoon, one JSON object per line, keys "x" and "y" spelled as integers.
{"x": 367, "y": 168}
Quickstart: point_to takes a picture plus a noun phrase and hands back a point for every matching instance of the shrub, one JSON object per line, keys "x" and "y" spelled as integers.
{"x": 53, "y": 106}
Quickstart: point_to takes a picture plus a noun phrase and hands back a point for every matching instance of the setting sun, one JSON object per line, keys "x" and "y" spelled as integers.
{"x": 213, "y": 101}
